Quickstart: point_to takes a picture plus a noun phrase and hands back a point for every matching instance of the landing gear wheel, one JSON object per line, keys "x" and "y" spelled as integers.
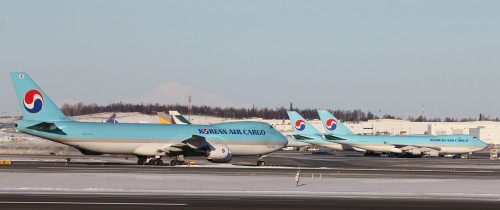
{"x": 159, "y": 162}
{"x": 261, "y": 163}
{"x": 172, "y": 162}
{"x": 153, "y": 162}
{"x": 141, "y": 161}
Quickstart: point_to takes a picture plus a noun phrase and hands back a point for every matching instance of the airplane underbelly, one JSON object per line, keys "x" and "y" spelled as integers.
{"x": 458, "y": 150}
{"x": 376, "y": 148}
{"x": 340, "y": 147}
{"x": 249, "y": 149}
{"x": 119, "y": 147}
{"x": 107, "y": 147}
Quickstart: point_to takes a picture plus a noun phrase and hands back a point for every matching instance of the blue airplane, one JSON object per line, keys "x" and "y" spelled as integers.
{"x": 149, "y": 142}
{"x": 411, "y": 145}
{"x": 305, "y": 132}
{"x": 174, "y": 117}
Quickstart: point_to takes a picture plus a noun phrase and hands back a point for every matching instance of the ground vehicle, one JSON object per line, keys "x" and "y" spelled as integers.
{"x": 288, "y": 149}
{"x": 312, "y": 149}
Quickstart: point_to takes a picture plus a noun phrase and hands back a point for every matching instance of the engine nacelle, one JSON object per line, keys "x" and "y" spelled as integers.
{"x": 396, "y": 150}
{"x": 219, "y": 153}
{"x": 432, "y": 153}
{"x": 416, "y": 152}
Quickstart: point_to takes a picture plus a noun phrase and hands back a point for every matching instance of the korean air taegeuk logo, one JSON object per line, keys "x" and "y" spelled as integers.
{"x": 33, "y": 101}
{"x": 331, "y": 124}
{"x": 300, "y": 125}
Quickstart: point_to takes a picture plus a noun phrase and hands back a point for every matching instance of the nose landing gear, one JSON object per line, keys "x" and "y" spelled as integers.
{"x": 260, "y": 161}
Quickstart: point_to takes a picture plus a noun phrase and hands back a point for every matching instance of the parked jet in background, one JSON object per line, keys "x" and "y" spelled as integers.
{"x": 305, "y": 132}
{"x": 111, "y": 119}
{"x": 149, "y": 142}
{"x": 164, "y": 118}
{"x": 173, "y": 117}
{"x": 177, "y": 118}
{"x": 412, "y": 145}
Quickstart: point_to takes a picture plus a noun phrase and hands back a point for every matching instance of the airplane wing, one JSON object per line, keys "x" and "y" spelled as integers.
{"x": 302, "y": 138}
{"x": 423, "y": 148}
{"x": 332, "y": 137}
{"x": 194, "y": 143}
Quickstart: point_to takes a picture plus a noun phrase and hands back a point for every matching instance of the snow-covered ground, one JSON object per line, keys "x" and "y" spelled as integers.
{"x": 135, "y": 117}
{"x": 262, "y": 185}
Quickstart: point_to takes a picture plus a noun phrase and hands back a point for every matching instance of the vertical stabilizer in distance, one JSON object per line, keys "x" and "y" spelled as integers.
{"x": 164, "y": 118}
{"x": 111, "y": 119}
{"x": 177, "y": 118}
{"x": 37, "y": 106}
{"x": 332, "y": 125}
{"x": 301, "y": 126}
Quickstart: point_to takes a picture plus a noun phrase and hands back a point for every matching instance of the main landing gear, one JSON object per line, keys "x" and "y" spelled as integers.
{"x": 178, "y": 160}
{"x": 260, "y": 161}
{"x": 372, "y": 154}
{"x": 150, "y": 161}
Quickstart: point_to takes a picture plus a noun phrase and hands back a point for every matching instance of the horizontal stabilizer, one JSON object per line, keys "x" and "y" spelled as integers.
{"x": 423, "y": 148}
{"x": 300, "y": 137}
{"x": 332, "y": 137}
{"x": 48, "y": 128}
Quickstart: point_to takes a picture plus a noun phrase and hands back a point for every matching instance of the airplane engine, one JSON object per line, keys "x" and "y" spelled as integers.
{"x": 396, "y": 150}
{"x": 432, "y": 153}
{"x": 416, "y": 152}
{"x": 219, "y": 153}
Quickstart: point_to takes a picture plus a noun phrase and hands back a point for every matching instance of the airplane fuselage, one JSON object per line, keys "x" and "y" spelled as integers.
{"x": 448, "y": 144}
{"x": 242, "y": 138}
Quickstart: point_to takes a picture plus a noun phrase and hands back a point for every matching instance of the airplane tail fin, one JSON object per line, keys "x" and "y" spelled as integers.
{"x": 33, "y": 102}
{"x": 111, "y": 119}
{"x": 164, "y": 118}
{"x": 301, "y": 126}
{"x": 177, "y": 118}
{"x": 332, "y": 125}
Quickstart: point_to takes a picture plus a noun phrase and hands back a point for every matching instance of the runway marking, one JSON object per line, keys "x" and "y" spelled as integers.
{"x": 92, "y": 203}
{"x": 94, "y": 168}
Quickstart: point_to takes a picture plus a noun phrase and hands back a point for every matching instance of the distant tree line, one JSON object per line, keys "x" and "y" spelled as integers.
{"x": 223, "y": 112}
{"x": 355, "y": 115}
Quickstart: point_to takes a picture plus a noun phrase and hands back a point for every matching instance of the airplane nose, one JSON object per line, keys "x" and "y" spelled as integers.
{"x": 483, "y": 144}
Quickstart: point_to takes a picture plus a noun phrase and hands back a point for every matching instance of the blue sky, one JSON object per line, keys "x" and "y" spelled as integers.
{"x": 392, "y": 56}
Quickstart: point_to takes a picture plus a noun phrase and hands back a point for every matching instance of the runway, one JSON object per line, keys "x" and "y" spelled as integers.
{"x": 327, "y": 180}
{"x": 77, "y": 202}
{"x": 344, "y": 164}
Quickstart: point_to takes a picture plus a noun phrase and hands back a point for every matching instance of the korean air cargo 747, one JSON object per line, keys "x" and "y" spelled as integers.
{"x": 149, "y": 142}
{"x": 174, "y": 117}
{"x": 305, "y": 132}
{"x": 416, "y": 145}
